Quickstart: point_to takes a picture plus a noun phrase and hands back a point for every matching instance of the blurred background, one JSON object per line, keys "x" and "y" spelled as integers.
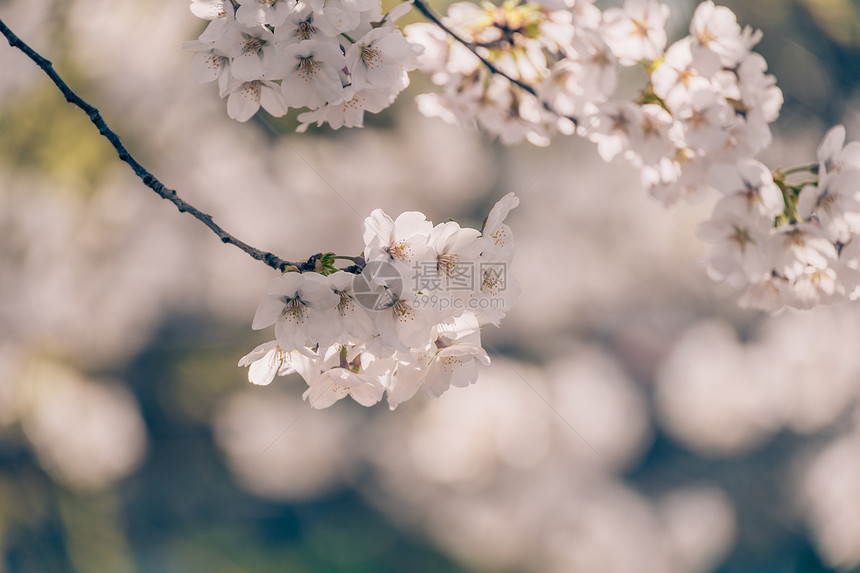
{"x": 633, "y": 419}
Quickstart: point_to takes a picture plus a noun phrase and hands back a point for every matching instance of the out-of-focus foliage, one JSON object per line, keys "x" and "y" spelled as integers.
{"x": 634, "y": 419}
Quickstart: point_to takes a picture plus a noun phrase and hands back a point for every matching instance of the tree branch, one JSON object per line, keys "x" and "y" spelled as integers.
{"x": 148, "y": 178}
{"x": 436, "y": 19}
{"x": 433, "y": 17}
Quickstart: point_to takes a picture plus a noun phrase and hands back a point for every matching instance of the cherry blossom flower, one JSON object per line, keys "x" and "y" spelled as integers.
{"x": 683, "y": 72}
{"x": 293, "y": 302}
{"x": 453, "y": 245}
{"x": 209, "y": 64}
{"x": 834, "y": 203}
{"x": 253, "y": 52}
{"x": 750, "y": 183}
{"x": 361, "y": 378}
{"x": 348, "y": 321}
{"x": 496, "y": 236}
{"x": 769, "y": 295}
{"x": 451, "y": 359}
{"x": 265, "y": 12}
{"x": 310, "y": 71}
{"x": 402, "y": 242}
{"x": 834, "y": 156}
{"x": 245, "y": 98}
{"x": 716, "y": 29}
{"x": 342, "y": 16}
{"x": 349, "y": 112}
{"x": 796, "y": 249}
{"x": 636, "y": 31}
{"x": 402, "y": 324}
{"x": 740, "y": 238}
{"x": 299, "y": 26}
{"x": 378, "y": 58}
{"x": 209, "y": 9}
{"x": 265, "y": 362}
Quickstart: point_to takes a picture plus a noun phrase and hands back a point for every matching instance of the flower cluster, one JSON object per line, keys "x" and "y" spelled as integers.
{"x": 708, "y": 99}
{"x": 789, "y": 244}
{"x": 338, "y": 58}
{"x": 554, "y": 51}
{"x": 407, "y": 314}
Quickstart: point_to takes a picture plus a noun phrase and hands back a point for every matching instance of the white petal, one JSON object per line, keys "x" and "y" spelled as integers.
{"x": 326, "y": 390}
{"x": 206, "y": 67}
{"x": 263, "y": 371}
{"x": 411, "y": 223}
{"x": 367, "y": 394}
{"x": 286, "y": 284}
{"x": 208, "y": 9}
{"x": 403, "y": 385}
{"x": 257, "y": 353}
{"x": 377, "y": 228}
{"x": 272, "y": 100}
{"x": 244, "y": 102}
{"x": 500, "y": 211}
{"x": 268, "y": 311}
{"x": 316, "y": 293}
{"x": 247, "y": 67}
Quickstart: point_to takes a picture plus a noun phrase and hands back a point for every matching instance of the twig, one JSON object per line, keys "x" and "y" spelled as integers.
{"x": 148, "y": 178}
{"x": 433, "y": 17}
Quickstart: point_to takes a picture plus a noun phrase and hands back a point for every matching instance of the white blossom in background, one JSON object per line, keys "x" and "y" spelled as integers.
{"x": 408, "y": 315}
{"x": 513, "y": 38}
{"x": 830, "y": 493}
{"x": 789, "y": 244}
{"x": 303, "y": 45}
{"x": 85, "y": 433}
{"x": 708, "y": 101}
{"x": 636, "y": 31}
{"x": 716, "y": 29}
{"x": 264, "y": 12}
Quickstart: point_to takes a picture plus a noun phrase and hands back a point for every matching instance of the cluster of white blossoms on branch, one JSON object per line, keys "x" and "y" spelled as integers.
{"x": 407, "y": 313}
{"x": 707, "y": 100}
{"x": 795, "y": 244}
{"x": 337, "y": 58}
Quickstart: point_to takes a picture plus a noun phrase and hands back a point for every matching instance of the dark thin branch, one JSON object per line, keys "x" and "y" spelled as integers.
{"x": 436, "y": 19}
{"x": 148, "y": 178}
{"x": 433, "y": 17}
